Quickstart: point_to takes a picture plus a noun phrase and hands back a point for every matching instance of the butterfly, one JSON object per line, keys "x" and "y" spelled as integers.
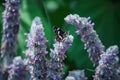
{"x": 60, "y": 34}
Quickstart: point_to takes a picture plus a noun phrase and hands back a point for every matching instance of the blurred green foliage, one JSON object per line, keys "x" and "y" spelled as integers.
{"x": 105, "y": 14}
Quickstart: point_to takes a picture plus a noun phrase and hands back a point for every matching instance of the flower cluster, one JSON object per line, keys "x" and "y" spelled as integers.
{"x": 10, "y": 29}
{"x": 18, "y": 70}
{"x": 41, "y": 67}
{"x": 37, "y": 66}
{"x": 109, "y": 67}
{"x": 36, "y": 52}
{"x": 57, "y": 55}
{"x": 89, "y": 36}
{"x": 107, "y": 62}
{"x": 76, "y": 75}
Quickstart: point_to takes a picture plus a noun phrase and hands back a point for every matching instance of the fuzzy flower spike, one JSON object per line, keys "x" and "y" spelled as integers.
{"x": 109, "y": 67}
{"x": 89, "y": 36}
{"x": 55, "y": 64}
{"x": 18, "y": 70}
{"x": 10, "y": 30}
{"x": 36, "y": 52}
{"x": 76, "y": 75}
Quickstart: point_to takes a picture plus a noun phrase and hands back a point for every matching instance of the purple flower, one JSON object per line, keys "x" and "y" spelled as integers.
{"x": 89, "y": 36}
{"x": 76, "y": 75}
{"x": 36, "y": 52}
{"x": 10, "y": 30}
{"x": 55, "y": 64}
{"x": 18, "y": 70}
{"x": 109, "y": 67}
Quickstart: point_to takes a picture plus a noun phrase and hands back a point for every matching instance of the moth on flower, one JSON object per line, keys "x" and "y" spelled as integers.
{"x": 60, "y": 34}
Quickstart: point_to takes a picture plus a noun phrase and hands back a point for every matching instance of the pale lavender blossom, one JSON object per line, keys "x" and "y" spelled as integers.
{"x": 36, "y": 52}
{"x": 109, "y": 67}
{"x": 55, "y": 64}
{"x": 89, "y": 36}
{"x": 10, "y": 30}
{"x": 76, "y": 75}
{"x": 11, "y": 24}
{"x": 19, "y": 69}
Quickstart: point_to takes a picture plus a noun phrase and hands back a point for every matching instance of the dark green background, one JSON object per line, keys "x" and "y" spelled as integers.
{"x": 104, "y": 13}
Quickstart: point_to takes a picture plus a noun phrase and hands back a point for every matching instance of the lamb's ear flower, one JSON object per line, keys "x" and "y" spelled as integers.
{"x": 36, "y": 52}
{"x": 18, "y": 70}
{"x": 109, "y": 67}
{"x": 55, "y": 64}
{"x": 76, "y": 75}
{"x": 10, "y": 30}
{"x": 89, "y": 36}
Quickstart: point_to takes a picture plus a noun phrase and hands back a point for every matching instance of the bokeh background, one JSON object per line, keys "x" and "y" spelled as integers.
{"x": 104, "y": 13}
